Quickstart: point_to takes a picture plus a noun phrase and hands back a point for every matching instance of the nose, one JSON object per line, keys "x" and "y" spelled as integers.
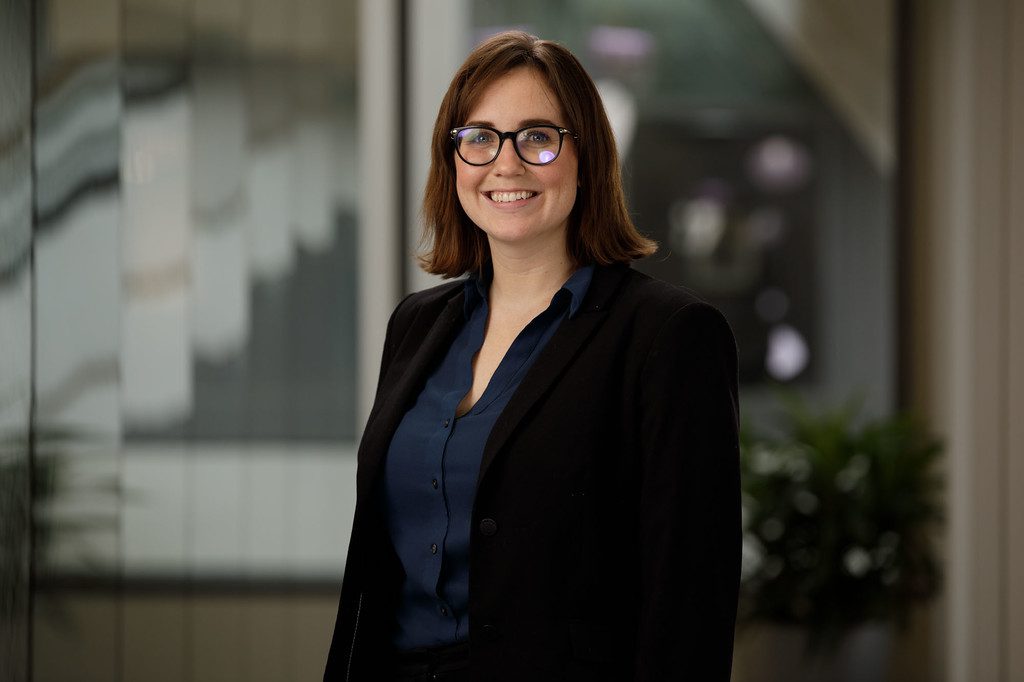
{"x": 508, "y": 162}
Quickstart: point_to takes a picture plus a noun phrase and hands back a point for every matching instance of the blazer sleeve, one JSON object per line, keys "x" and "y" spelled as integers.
{"x": 397, "y": 325}
{"x": 690, "y": 537}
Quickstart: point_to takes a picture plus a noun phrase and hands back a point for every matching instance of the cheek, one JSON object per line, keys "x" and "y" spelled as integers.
{"x": 568, "y": 175}
{"x": 567, "y": 184}
{"x": 466, "y": 181}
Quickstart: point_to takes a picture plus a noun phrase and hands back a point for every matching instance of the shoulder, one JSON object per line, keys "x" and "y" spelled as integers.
{"x": 440, "y": 294}
{"x": 665, "y": 308}
{"x": 641, "y": 288}
{"x": 684, "y": 340}
{"x": 428, "y": 302}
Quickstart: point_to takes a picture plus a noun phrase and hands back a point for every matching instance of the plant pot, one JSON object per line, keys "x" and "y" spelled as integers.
{"x": 780, "y": 653}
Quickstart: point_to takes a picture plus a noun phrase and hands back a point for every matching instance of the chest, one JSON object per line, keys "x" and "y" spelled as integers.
{"x": 501, "y": 331}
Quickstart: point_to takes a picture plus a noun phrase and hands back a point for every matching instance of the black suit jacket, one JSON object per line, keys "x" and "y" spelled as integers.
{"x": 606, "y": 523}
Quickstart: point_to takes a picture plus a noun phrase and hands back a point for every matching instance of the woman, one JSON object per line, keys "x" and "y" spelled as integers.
{"x": 548, "y": 482}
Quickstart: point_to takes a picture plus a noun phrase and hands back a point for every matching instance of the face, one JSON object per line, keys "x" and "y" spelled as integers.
{"x": 513, "y": 202}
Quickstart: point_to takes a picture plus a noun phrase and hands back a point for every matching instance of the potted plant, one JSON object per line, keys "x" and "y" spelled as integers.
{"x": 838, "y": 514}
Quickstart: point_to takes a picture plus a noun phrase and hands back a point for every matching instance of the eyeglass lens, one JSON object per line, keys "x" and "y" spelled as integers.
{"x": 538, "y": 145}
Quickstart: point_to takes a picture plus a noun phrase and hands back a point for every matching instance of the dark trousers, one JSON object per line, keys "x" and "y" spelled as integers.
{"x": 449, "y": 663}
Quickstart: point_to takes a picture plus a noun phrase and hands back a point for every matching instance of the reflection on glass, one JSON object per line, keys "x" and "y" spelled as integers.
{"x": 184, "y": 329}
{"x": 743, "y": 135}
{"x": 232, "y": 489}
{"x": 15, "y": 339}
{"x": 270, "y": 269}
{"x": 270, "y": 100}
{"x": 725, "y": 189}
{"x": 228, "y": 468}
{"x": 76, "y": 423}
{"x": 155, "y": 353}
{"x": 220, "y": 201}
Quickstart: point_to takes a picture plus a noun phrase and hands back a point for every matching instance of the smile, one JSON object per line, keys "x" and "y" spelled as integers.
{"x": 506, "y": 197}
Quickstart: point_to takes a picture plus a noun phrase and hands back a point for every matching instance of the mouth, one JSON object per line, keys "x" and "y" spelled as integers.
{"x": 499, "y": 197}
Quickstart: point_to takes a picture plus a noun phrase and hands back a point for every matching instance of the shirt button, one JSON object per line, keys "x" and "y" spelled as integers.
{"x": 433, "y": 482}
{"x": 444, "y": 611}
{"x": 488, "y": 527}
{"x": 447, "y": 422}
{"x": 433, "y": 549}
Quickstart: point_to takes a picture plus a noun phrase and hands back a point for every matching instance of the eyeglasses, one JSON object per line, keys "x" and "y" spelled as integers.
{"x": 536, "y": 145}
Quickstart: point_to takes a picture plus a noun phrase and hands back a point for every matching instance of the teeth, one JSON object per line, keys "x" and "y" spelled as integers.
{"x": 502, "y": 197}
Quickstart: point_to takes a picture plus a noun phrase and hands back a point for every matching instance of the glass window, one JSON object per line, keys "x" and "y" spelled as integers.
{"x": 760, "y": 156}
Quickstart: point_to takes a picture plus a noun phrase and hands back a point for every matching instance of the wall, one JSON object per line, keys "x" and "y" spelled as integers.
{"x": 966, "y": 317}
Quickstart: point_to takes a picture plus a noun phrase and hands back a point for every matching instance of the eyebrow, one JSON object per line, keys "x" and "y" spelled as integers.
{"x": 526, "y": 123}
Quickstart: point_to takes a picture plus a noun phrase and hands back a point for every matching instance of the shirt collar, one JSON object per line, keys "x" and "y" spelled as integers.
{"x": 476, "y": 291}
{"x": 576, "y": 286}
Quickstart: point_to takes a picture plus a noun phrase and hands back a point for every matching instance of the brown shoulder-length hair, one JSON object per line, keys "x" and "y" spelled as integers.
{"x": 599, "y": 229}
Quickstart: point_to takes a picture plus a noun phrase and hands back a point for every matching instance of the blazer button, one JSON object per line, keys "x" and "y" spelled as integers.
{"x": 490, "y": 632}
{"x": 488, "y": 527}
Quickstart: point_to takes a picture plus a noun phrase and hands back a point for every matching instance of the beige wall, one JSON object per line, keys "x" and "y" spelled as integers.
{"x": 967, "y": 317}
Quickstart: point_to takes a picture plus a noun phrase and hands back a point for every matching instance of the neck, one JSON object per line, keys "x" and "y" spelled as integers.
{"x": 527, "y": 280}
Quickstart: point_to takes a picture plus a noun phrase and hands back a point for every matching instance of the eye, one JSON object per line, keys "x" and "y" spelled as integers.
{"x": 537, "y": 136}
{"x": 478, "y": 137}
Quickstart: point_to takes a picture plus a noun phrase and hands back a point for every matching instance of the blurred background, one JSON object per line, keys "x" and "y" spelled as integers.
{"x": 208, "y": 210}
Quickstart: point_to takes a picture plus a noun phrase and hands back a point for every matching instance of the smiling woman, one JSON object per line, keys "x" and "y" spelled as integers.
{"x": 548, "y": 482}
{"x": 557, "y": 92}
{"x": 521, "y": 205}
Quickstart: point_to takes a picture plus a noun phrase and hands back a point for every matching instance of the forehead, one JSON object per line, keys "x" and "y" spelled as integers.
{"x": 518, "y": 95}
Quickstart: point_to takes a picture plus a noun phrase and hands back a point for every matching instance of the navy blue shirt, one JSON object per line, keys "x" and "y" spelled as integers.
{"x": 434, "y": 458}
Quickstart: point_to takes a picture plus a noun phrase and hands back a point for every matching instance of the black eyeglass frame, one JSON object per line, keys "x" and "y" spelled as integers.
{"x": 511, "y": 135}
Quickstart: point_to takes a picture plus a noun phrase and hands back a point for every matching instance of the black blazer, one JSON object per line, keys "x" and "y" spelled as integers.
{"x": 607, "y": 513}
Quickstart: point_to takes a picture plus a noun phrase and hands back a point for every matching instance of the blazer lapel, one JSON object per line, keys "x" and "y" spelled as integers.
{"x": 559, "y": 351}
{"x": 424, "y": 345}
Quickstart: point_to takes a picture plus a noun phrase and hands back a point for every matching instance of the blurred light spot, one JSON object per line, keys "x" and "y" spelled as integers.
{"x": 546, "y": 156}
{"x": 773, "y": 566}
{"x": 797, "y": 468}
{"x": 717, "y": 189}
{"x": 857, "y": 561}
{"x": 747, "y": 507}
{"x": 779, "y": 163}
{"x": 772, "y": 529}
{"x": 765, "y": 461}
{"x": 882, "y": 556}
{"x": 803, "y": 558}
{"x": 697, "y": 226}
{"x": 850, "y": 476}
{"x": 805, "y": 502}
{"x": 752, "y": 556}
{"x": 771, "y": 304}
{"x": 765, "y": 226}
{"x": 889, "y": 540}
{"x": 621, "y": 107}
{"x": 621, "y": 43}
{"x": 787, "y": 353}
